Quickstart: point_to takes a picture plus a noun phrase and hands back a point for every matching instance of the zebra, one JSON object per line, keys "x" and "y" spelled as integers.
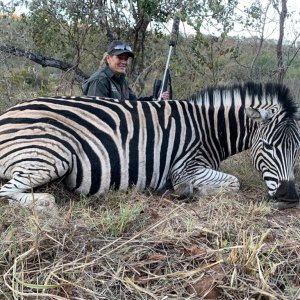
{"x": 94, "y": 144}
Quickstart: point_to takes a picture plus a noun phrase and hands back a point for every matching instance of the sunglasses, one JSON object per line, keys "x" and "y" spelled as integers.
{"x": 122, "y": 47}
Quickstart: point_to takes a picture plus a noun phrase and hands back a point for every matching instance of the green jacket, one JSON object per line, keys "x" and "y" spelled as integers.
{"x": 104, "y": 83}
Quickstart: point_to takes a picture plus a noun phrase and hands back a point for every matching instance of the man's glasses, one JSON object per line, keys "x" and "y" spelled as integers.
{"x": 122, "y": 47}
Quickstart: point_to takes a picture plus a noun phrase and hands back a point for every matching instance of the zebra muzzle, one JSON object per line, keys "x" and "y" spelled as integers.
{"x": 286, "y": 196}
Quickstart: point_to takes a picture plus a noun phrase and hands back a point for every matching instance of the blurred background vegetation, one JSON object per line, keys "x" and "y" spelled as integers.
{"x": 50, "y": 47}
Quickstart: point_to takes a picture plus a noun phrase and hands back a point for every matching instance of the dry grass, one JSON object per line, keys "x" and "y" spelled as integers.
{"x": 143, "y": 246}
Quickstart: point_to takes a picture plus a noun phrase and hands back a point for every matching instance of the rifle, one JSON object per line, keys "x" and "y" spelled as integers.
{"x": 162, "y": 86}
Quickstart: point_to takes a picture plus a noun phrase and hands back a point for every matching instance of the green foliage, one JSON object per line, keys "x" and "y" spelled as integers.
{"x": 267, "y": 63}
{"x": 118, "y": 221}
{"x": 253, "y": 13}
{"x": 44, "y": 31}
{"x": 59, "y": 27}
{"x": 152, "y": 9}
{"x": 294, "y": 71}
{"x": 26, "y": 78}
{"x": 20, "y": 82}
{"x": 13, "y": 30}
{"x": 212, "y": 53}
{"x": 217, "y": 15}
{"x": 78, "y": 32}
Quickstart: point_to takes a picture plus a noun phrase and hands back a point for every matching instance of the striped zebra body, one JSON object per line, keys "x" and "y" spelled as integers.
{"x": 96, "y": 143}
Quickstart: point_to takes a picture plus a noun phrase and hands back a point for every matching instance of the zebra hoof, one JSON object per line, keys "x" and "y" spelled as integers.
{"x": 45, "y": 203}
{"x": 281, "y": 205}
{"x": 183, "y": 190}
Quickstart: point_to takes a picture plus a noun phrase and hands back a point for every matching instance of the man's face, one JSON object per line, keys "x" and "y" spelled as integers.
{"x": 118, "y": 63}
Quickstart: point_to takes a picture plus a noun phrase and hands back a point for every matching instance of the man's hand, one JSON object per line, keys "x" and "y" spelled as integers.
{"x": 165, "y": 95}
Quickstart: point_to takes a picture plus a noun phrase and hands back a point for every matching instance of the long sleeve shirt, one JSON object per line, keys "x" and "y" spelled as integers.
{"x": 105, "y": 83}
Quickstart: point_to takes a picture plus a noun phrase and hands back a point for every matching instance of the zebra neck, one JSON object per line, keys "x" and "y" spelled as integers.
{"x": 229, "y": 132}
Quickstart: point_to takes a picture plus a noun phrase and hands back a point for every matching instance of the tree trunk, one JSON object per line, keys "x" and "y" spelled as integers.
{"x": 139, "y": 41}
{"x": 281, "y": 71}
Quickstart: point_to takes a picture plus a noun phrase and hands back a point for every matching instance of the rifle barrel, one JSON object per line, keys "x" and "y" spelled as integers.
{"x": 172, "y": 43}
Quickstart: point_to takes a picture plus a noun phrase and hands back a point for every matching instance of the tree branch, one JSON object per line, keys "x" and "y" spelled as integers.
{"x": 44, "y": 61}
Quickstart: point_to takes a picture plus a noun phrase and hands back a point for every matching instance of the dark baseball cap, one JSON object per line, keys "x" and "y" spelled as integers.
{"x": 118, "y": 47}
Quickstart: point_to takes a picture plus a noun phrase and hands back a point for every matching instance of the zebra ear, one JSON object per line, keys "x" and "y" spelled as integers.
{"x": 258, "y": 114}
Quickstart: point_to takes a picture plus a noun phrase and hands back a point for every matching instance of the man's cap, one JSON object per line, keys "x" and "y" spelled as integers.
{"x": 119, "y": 47}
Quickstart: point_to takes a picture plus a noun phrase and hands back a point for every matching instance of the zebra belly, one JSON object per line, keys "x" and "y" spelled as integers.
{"x": 89, "y": 169}
{"x": 36, "y": 160}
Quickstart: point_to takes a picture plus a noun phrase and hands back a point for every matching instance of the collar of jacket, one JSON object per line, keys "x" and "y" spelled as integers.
{"x": 111, "y": 74}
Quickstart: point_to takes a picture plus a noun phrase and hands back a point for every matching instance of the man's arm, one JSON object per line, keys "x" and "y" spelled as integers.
{"x": 132, "y": 96}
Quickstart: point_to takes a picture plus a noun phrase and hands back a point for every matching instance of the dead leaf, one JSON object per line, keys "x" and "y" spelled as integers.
{"x": 156, "y": 257}
{"x": 205, "y": 288}
{"x": 154, "y": 214}
{"x": 194, "y": 250}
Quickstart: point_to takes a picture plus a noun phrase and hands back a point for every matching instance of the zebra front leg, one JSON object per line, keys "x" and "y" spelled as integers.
{"x": 19, "y": 190}
{"x": 202, "y": 181}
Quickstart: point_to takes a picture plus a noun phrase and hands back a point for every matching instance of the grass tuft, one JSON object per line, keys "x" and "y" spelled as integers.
{"x": 131, "y": 245}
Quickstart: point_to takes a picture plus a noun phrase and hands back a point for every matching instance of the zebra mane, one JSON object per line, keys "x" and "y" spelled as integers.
{"x": 279, "y": 94}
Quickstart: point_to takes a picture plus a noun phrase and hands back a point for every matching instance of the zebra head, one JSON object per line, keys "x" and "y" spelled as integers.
{"x": 275, "y": 143}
